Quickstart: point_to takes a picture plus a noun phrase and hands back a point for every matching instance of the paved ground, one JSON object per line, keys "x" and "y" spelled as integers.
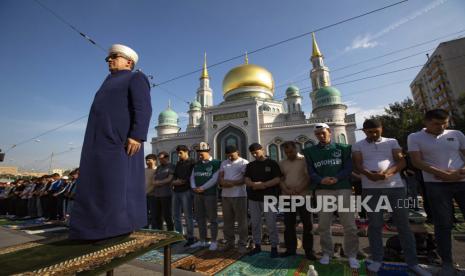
{"x": 11, "y": 237}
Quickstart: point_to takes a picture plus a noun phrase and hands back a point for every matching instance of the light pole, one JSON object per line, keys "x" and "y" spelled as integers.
{"x": 51, "y": 161}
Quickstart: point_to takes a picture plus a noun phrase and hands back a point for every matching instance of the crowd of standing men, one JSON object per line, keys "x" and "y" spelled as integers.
{"x": 189, "y": 189}
{"x": 49, "y": 197}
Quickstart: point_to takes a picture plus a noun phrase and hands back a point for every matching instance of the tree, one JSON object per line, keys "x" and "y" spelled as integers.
{"x": 401, "y": 119}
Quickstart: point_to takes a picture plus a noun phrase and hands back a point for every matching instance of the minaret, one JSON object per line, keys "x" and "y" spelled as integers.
{"x": 195, "y": 115}
{"x": 204, "y": 92}
{"x": 320, "y": 73}
{"x": 168, "y": 122}
{"x": 293, "y": 100}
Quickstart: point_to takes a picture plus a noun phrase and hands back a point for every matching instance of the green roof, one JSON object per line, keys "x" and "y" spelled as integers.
{"x": 168, "y": 118}
{"x": 195, "y": 105}
{"x": 292, "y": 91}
{"x": 327, "y": 96}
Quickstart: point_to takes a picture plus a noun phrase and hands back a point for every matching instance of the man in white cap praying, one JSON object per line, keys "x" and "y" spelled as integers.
{"x": 110, "y": 199}
{"x": 330, "y": 166}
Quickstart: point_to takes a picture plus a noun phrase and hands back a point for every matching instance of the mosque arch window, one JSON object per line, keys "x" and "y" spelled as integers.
{"x": 265, "y": 107}
{"x": 281, "y": 151}
{"x": 342, "y": 138}
{"x": 231, "y": 136}
{"x": 273, "y": 152}
{"x": 174, "y": 157}
{"x": 192, "y": 155}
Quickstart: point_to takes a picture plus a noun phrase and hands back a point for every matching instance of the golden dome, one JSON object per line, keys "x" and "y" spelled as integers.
{"x": 248, "y": 75}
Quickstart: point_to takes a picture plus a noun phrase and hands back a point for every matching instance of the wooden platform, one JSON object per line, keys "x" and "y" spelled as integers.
{"x": 60, "y": 256}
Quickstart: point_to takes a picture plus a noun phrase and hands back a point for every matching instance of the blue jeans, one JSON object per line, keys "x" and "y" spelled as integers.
{"x": 183, "y": 202}
{"x": 440, "y": 195}
{"x": 397, "y": 198}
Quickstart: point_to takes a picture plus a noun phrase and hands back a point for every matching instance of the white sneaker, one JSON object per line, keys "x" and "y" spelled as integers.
{"x": 354, "y": 263}
{"x": 374, "y": 266}
{"x": 198, "y": 244}
{"x": 325, "y": 259}
{"x": 213, "y": 246}
{"x": 420, "y": 270}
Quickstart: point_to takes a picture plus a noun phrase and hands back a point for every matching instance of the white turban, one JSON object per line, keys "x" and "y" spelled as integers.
{"x": 125, "y": 51}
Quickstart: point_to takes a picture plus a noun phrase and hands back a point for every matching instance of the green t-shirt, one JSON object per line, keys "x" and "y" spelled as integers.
{"x": 329, "y": 160}
{"x": 203, "y": 172}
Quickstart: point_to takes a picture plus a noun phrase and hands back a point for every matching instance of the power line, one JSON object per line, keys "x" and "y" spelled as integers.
{"x": 378, "y": 75}
{"x": 396, "y": 51}
{"x": 282, "y": 42}
{"x": 235, "y": 57}
{"x": 46, "y": 132}
{"x": 381, "y": 56}
{"x": 86, "y": 37}
{"x": 381, "y": 65}
{"x": 198, "y": 70}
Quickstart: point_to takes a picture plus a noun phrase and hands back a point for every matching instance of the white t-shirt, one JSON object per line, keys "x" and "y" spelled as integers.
{"x": 234, "y": 170}
{"x": 377, "y": 156}
{"x": 442, "y": 151}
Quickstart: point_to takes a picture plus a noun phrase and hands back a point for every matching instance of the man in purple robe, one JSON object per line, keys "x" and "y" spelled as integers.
{"x": 110, "y": 198}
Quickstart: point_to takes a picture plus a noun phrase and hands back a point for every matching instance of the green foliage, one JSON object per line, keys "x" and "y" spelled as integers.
{"x": 401, "y": 119}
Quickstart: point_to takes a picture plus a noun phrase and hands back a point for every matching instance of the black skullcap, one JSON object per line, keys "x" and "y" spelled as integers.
{"x": 255, "y": 146}
{"x": 182, "y": 148}
{"x": 230, "y": 149}
{"x": 151, "y": 156}
{"x": 372, "y": 123}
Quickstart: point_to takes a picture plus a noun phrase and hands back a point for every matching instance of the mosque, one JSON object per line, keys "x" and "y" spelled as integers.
{"x": 249, "y": 113}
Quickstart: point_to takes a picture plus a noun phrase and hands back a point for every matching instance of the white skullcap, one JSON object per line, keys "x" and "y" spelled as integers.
{"x": 320, "y": 125}
{"x": 125, "y": 51}
{"x": 203, "y": 147}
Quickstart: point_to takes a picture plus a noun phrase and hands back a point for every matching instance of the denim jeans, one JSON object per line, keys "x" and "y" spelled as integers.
{"x": 182, "y": 203}
{"x": 440, "y": 195}
{"x": 397, "y": 198}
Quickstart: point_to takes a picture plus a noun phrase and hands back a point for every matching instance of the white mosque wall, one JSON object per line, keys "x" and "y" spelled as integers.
{"x": 242, "y": 115}
{"x": 166, "y": 130}
{"x": 336, "y": 113}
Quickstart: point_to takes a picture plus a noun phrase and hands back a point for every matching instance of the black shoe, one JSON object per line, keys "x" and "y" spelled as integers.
{"x": 274, "y": 252}
{"x": 266, "y": 239}
{"x": 256, "y": 250}
{"x": 189, "y": 242}
{"x": 286, "y": 254}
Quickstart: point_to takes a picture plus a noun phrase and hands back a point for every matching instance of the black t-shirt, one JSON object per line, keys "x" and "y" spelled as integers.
{"x": 261, "y": 171}
{"x": 183, "y": 171}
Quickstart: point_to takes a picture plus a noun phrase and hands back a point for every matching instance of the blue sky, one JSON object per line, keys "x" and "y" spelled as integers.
{"x": 50, "y": 74}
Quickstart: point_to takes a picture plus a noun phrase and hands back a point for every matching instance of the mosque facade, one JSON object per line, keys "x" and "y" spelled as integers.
{"x": 249, "y": 113}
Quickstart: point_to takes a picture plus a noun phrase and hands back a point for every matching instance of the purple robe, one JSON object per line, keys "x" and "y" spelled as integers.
{"x": 110, "y": 196}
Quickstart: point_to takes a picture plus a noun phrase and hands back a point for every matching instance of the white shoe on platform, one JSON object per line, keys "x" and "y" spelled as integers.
{"x": 325, "y": 259}
{"x": 354, "y": 263}
{"x": 213, "y": 246}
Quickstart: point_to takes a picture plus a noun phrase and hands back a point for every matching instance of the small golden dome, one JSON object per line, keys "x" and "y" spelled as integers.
{"x": 247, "y": 75}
